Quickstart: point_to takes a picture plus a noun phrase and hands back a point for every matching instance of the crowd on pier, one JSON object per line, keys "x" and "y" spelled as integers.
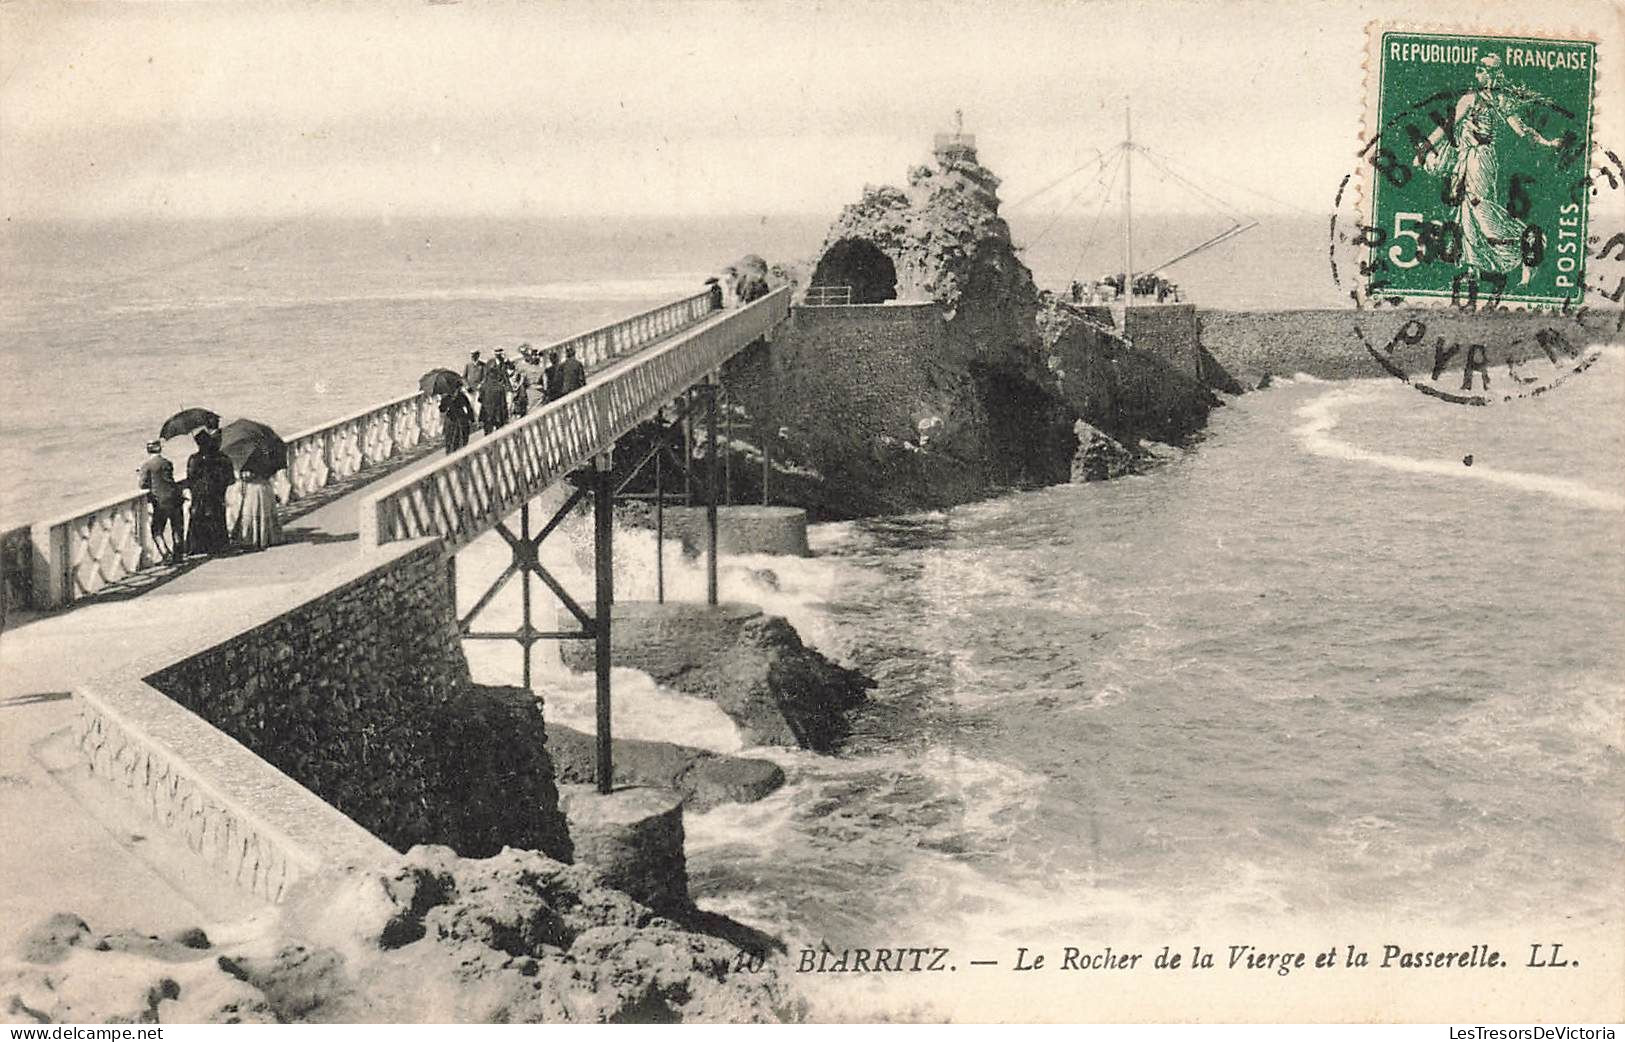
{"x": 493, "y": 391}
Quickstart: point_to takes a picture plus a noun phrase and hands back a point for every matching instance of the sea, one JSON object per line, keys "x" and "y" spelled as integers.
{"x": 1315, "y": 677}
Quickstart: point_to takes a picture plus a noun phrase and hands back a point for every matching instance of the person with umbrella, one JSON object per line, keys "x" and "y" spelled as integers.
{"x": 258, "y": 453}
{"x": 456, "y": 414}
{"x": 256, "y": 525}
{"x": 157, "y": 476}
{"x": 209, "y": 475}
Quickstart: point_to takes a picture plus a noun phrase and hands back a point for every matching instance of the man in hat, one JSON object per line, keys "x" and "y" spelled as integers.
{"x": 572, "y": 375}
{"x": 474, "y": 376}
{"x": 714, "y": 289}
{"x": 550, "y": 376}
{"x": 494, "y": 395}
{"x": 157, "y": 476}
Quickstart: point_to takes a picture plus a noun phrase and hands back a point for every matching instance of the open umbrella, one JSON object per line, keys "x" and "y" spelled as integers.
{"x": 186, "y": 421}
{"x": 440, "y": 381}
{"x": 253, "y": 446}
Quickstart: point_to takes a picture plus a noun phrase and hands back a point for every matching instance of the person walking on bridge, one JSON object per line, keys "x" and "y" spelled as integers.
{"x": 157, "y": 476}
{"x": 457, "y": 419}
{"x": 550, "y": 377}
{"x": 493, "y": 398}
{"x": 572, "y": 375}
{"x": 474, "y": 375}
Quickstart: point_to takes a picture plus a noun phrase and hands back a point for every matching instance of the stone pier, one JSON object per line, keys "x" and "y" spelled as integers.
{"x": 742, "y": 529}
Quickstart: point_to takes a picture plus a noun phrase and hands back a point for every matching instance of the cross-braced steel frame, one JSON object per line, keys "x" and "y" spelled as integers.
{"x": 525, "y": 561}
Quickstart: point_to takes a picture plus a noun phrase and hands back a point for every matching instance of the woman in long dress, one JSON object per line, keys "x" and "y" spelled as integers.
{"x": 256, "y": 526}
{"x": 457, "y": 419}
{"x": 208, "y": 477}
{"x": 1491, "y": 238}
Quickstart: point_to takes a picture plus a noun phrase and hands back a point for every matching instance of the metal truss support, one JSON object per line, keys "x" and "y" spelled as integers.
{"x": 709, "y": 391}
{"x": 526, "y": 562}
{"x": 603, "y": 512}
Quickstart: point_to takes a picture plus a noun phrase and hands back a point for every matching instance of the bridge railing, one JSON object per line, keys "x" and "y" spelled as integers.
{"x": 53, "y": 563}
{"x": 597, "y": 346}
{"x": 477, "y": 486}
{"x": 80, "y": 553}
{"x": 827, "y": 296}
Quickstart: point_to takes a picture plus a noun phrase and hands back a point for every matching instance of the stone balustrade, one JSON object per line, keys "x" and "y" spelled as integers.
{"x": 54, "y": 563}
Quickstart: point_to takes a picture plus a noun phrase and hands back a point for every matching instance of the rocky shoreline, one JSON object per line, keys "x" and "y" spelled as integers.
{"x": 432, "y": 938}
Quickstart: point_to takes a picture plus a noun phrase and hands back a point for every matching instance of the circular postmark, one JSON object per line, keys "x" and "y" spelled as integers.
{"x": 1468, "y": 259}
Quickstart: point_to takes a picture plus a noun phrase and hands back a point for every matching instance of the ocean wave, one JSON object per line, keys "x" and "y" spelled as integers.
{"x": 1321, "y": 416}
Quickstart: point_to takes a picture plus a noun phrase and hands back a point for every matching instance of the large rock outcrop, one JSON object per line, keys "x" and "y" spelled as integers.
{"x": 961, "y": 383}
{"x": 432, "y": 938}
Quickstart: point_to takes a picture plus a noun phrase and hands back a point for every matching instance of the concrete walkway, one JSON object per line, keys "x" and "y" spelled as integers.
{"x": 69, "y": 844}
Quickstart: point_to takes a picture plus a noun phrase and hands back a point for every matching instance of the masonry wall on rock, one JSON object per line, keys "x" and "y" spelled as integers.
{"x": 854, "y": 388}
{"x": 1170, "y": 332}
{"x": 362, "y": 695}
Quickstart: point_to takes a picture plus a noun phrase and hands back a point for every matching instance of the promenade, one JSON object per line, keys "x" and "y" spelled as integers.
{"x": 70, "y": 844}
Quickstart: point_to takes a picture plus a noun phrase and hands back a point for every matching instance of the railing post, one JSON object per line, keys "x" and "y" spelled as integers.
{"x": 51, "y": 587}
{"x": 604, "y": 565}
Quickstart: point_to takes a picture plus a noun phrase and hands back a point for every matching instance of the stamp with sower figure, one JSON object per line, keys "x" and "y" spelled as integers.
{"x": 1475, "y": 191}
{"x": 1477, "y": 185}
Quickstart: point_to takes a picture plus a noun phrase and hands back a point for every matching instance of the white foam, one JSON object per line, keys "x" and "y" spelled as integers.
{"x": 1321, "y": 416}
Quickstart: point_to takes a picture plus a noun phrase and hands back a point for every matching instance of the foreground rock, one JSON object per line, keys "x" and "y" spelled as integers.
{"x": 703, "y": 778}
{"x": 430, "y": 938}
{"x": 753, "y": 666}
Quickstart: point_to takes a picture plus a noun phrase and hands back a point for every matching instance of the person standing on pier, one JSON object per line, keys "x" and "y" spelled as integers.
{"x": 714, "y": 289}
{"x": 572, "y": 375}
{"x": 209, "y": 474}
{"x": 157, "y": 476}
{"x": 457, "y": 419}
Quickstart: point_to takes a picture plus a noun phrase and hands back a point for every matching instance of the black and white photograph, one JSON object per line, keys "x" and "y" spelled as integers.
{"x": 813, "y": 512}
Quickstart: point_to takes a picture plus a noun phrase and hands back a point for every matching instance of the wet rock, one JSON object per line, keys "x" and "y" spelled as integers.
{"x": 702, "y": 778}
{"x": 1101, "y": 457}
{"x": 753, "y": 666}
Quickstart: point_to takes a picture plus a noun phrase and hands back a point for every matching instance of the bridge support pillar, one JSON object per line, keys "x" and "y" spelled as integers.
{"x": 712, "y": 479}
{"x": 603, "y": 512}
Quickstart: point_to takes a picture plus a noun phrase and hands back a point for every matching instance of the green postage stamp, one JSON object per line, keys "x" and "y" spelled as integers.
{"x": 1478, "y": 165}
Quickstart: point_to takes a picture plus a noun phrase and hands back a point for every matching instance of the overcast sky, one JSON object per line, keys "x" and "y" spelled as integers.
{"x": 475, "y": 108}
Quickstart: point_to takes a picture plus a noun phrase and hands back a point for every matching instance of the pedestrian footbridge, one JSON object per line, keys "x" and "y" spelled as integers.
{"x": 93, "y": 610}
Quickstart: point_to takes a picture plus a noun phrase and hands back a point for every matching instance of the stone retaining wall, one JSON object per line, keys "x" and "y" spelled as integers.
{"x": 360, "y": 693}
{"x": 252, "y": 823}
{"x": 323, "y": 726}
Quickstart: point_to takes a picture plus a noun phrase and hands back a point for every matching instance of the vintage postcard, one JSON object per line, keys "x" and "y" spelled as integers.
{"x": 818, "y": 512}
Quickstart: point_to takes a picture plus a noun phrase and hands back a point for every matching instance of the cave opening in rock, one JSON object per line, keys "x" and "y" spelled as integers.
{"x": 860, "y": 264}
